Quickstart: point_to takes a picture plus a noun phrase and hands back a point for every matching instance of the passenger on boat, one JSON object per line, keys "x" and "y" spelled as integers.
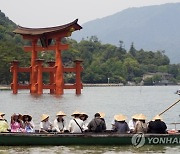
{"x": 59, "y": 122}
{"x": 97, "y": 124}
{"x": 157, "y": 126}
{"x": 83, "y": 116}
{"x": 75, "y": 124}
{"x": 132, "y": 123}
{"x": 3, "y": 125}
{"x": 120, "y": 125}
{"x": 28, "y": 123}
{"x": 17, "y": 123}
{"x": 2, "y": 115}
{"x": 102, "y": 115}
{"x": 141, "y": 126}
{"x": 45, "y": 125}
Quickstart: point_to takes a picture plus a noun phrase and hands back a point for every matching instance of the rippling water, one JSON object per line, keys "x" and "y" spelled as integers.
{"x": 89, "y": 149}
{"x": 111, "y": 100}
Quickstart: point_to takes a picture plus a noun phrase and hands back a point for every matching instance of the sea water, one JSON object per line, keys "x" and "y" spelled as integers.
{"x": 128, "y": 100}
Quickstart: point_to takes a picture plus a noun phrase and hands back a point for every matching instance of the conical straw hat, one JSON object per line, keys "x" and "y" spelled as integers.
{"x": 2, "y": 114}
{"x": 102, "y": 114}
{"x": 76, "y": 113}
{"x": 141, "y": 117}
{"x": 44, "y": 116}
{"x": 60, "y": 113}
{"x": 135, "y": 116}
{"x": 83, "y": 114}
{"x": 120, "y": 117}
{"x": 157, "y": 117}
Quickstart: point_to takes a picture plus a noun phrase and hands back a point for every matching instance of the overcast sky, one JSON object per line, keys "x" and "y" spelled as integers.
{"x": 43, "y": 13}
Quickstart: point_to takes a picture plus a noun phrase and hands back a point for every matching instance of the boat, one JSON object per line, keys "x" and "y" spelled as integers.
{"x": 107, "y": 138}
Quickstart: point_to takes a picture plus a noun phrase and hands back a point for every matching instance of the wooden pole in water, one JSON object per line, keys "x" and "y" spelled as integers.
{"x": 169, "y": 107}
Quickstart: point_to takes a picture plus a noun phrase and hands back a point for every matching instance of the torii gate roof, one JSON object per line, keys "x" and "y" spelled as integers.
{"x": 42, "y": 31}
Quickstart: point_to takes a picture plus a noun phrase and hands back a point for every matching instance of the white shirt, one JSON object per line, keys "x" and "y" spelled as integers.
{"x": 131, "y": 125}
{"x": 59, "y": 125}
{"x": 113, "y": 124}
{"x": 73, "y": 127}
{"x": 85, "y": 125}
{"x": 45, "y": 125}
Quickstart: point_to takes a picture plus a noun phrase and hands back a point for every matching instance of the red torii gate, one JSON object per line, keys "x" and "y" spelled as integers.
{"x": 56, "y": 69}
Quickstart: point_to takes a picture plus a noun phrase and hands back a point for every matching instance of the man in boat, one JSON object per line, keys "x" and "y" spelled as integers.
{"x": 120, "y": 125}
{"x": 3, "y": 125}
{"x": 157, "y": 126}
{"x": 59, "y": 122}
{"x": 97, "y": 124}
{"x": 141, "y": 125}
{"x": 75, "y": 124}
{"x": 83, "y": 116}
{"x": 45, "y": 125}
{"x": 102, "y": 115}
{"x": 132, "y": 123}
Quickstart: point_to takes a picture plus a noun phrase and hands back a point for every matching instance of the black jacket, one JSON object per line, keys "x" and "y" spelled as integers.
{"x": 157, "y": 127}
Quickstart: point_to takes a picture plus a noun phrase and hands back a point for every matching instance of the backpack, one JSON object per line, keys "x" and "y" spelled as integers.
{"x": 98, "y": 127}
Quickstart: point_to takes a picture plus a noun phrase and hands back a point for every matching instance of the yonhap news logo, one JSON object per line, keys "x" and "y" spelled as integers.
{"x": 138, "y": 140}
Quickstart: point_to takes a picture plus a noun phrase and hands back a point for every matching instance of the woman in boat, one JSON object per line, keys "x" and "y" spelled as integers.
{"x": 16, "y": 123}
{"x": 97, "y": 124}
{"x": 3, "y": 125}
{"x": 120, "y": 125}
{"x": 157, "y": 126}
{"x": 83, "y": 116}
{"x": 132, "y": 123}
{"x": 45, "y": 125}
{"x": 28, "y": 123}
{"x": 141, "y": 126}
{"x": 75, "y": 124}
{"x": 59, "y": 122}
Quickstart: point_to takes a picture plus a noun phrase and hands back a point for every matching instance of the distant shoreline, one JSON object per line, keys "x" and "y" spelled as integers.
{"x": 102, "y": 85}
{"x": 7, "y": 87}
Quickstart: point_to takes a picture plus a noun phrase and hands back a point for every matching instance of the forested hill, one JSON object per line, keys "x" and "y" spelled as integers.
{"x": 10, "y": 47}
{"x": 150, "y": 28}
{"x": 101, "y": 61}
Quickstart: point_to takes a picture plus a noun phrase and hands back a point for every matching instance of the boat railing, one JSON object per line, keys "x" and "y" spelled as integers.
{"x": 175, "y": 124}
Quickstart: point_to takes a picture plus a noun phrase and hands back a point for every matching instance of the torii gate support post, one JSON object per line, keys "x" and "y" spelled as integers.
{"x": 51, "y": 76}
{"x": 33, "y": 76}
{"x": 78, "y": 76}
{"x": 59, "y": 69}
{"x": 39, "y": 76}
{"x": 14, "y": 70}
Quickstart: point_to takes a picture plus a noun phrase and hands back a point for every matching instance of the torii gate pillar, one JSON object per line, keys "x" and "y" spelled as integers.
{"x": 59, "y": 69}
